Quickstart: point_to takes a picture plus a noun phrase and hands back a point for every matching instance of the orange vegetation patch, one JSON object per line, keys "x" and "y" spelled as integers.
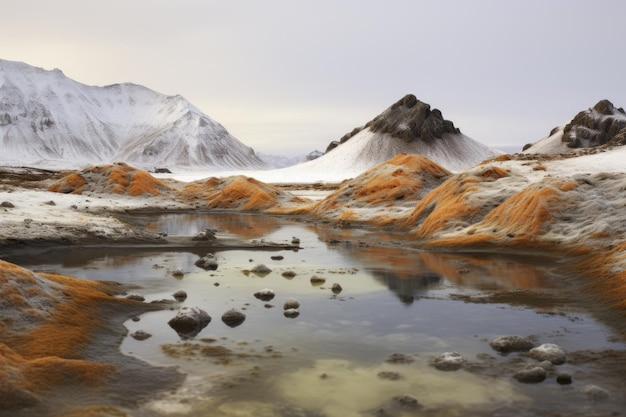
{"x": 238, "y": 192}
{"x": 449, "y": 205}
{"x": 118, "y": 178}
{"x": 48, "y": 350}
{"x": 403, "y": 179}
{"x": 72, "y": 183}
{"x": 520, "y": 221}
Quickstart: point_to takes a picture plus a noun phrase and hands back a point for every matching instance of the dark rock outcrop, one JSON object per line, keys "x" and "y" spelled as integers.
{"x": 408, "y": 119}
{"x": 600, "y": 125}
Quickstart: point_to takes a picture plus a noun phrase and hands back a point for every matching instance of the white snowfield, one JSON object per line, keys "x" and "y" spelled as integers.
{"x": 49, "y": 120}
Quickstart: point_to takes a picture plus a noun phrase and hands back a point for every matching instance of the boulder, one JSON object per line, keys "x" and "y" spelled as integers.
{"x": 207, "y": 262}
{"x": 189, "y": 321}
{"x": 180, "y": 295}
{"x": 336, "y": 288}
{"x": 549, "y": 352}
{"x": 507, "y": 344}
{"x": 265, "y": 294}
{"x": 531, "y": 375}
{"x": 291, "y": 303}
{"x": 233, "y": 317}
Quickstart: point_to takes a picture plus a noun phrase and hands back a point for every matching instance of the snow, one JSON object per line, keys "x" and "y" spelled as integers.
{"x": 363, "y": 151}
{"x": 56, "y": 121}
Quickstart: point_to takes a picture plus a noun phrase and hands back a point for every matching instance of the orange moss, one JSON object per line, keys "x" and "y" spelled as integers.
{"x": 449, "y": 203}
{"x": 118, "y": 178}
{"x": 238, "y": 192}
{"x": 69, "y": 329}
{"x": 144, "y": 183}
{"x": 499, "y": 158}
{"x": 72, "y": 183}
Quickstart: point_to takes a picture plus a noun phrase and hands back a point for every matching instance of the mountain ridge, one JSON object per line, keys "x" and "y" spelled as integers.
{"x": 46, "y": 116}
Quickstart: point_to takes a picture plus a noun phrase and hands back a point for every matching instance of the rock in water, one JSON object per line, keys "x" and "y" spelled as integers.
{"x": 449, "y": 361}
{"x": 291, "y": 303}
{"x": 189, "y": 321}
{"x": 265, "y": 294}
{"x": 549, "y": 352}
{"x": 531, "y": 375}
{"x": 207, "y": 262}
{"x": 507, "y": 344}
{"x": 233, "y": 317}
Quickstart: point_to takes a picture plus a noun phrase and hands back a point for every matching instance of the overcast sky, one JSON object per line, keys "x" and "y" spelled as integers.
{"x": 289, "y": 76}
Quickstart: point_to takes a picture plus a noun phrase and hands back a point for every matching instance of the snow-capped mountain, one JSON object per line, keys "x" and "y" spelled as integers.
{"x": 48, "y": 119}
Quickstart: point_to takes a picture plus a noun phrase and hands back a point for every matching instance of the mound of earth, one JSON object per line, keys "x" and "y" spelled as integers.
{"x": 118, "y": 178}
{"x": 394, "y": 184}
{"x": 237, "y": 192}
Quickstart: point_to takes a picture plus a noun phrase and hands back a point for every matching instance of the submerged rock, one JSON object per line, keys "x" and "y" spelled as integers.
{"x": 449, "y": 361}
{"x": 288, "y": 274}
{"x": 594, "y": 392}
{"x": 189, "y": 321}
{"x": 507, "y": 344}
{"x": 389, "y": 375}
{"x": 531, "y": 375}
{"x": 265, "y": 294}
{"x": 400, "y": 358}
{"x": 407, "y": 401}
{"x": 233, "y": 317}
{"x": 549, "y": 352}
{"x": 178, "y": 273}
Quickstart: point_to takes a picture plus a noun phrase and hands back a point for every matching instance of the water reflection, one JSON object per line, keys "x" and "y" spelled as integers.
{"x": 247, "y": 226}
{"x": 327, "y": 360}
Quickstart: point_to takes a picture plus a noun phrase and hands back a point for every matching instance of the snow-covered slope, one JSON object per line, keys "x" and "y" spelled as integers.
{"x": 48, "y": 119}
{"x": 408, "y": 126}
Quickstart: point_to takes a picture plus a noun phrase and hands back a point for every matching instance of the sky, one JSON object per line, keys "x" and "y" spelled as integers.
{"x": 289, "y": 76}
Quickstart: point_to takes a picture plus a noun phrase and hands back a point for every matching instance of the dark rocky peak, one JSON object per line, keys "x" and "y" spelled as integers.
{"x": 408, "y": 119}
{"x": 600, "y": 125}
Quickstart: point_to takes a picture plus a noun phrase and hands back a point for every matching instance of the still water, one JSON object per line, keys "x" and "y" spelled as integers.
{"x": 332, "y": 359}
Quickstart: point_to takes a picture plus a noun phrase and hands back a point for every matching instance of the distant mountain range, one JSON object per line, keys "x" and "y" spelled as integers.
{"x": 47, "y": 118}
